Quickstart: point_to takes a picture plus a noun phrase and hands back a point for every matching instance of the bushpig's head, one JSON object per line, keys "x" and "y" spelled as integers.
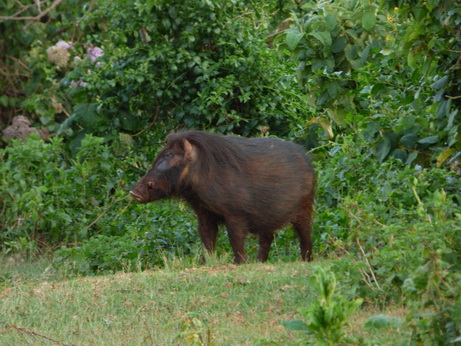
{"x": 167, "y": 173}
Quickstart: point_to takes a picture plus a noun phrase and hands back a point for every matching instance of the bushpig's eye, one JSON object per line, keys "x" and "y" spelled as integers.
{"x": 150, "y": 185}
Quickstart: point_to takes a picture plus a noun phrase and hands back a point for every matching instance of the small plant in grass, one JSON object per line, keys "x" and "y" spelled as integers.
{"x": 195, "y": 332}
{"x": 433, "y": 294}
{"x": 329, "y": 314}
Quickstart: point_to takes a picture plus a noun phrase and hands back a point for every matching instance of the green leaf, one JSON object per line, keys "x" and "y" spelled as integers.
{"x": 65, "y": 125}
{"x": 411, "y": 59}
{"x": 429, "y": 140}
{"x": 338, "y": 114}
{"x": 85, "y": 114}
{"x": 453, "y": 135}
{"x": 439, "y": 83}
{"x": 414, "y": 31}
{"x": 400, "y": 154}
{"x": 431, "y": 4}
{"x": 351, "y": 52}
{"x": 365, "y": 54}
{"x": 382, "y": 321}
{"x": 129, "y": 121}
{"x": 4, "y": 100}
{"x": 382, "y": 148}
{"x": 370, "y": 132}
{"x": 327, "y": 64}
{"x": 338, "y": 44}
{"x": 324, "y": 37}
{"x": 333, "y": 87}
{"x": 368, "y": 20}
{"x": 293, "y": 38}
{"x": 409, "y": 141}
{"x": 443, "y": 110}
{"x": 444, "y": 155}
{"x": 65, "y": 217}
{"x": 166, "y": 23}
{"x": 295, "y": 325}
{"x": 330, "y": 21}
{"x": 451, "y": 119}
{"x": 411, "y": 157}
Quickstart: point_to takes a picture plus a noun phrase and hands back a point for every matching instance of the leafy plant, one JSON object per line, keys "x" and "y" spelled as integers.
{"x": 328, "y": 314}
{"x": 192, "y": 64}
{"x": 48, "y": 198}
{"x": 366, "y": 69}
{"x": 195, "y": 332}
{"x": 432, "y": 292}
{"x": 149, "y": 235}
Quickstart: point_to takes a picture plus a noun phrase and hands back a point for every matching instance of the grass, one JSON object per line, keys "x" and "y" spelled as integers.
{"x": 218, "y": 303}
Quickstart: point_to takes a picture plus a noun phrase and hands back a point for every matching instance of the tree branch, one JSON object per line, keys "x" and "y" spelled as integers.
{"x": 44, "y": 13}
{"x": 32, "y": 19}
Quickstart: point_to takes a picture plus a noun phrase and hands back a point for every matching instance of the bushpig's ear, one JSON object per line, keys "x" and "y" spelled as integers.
{"x": 190, "y": 151}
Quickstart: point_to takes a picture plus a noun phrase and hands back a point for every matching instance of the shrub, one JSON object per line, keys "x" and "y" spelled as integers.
{"x": 51, "y": 199}
{"x": 150, "y": 234}
{"x": 192, "y": 64}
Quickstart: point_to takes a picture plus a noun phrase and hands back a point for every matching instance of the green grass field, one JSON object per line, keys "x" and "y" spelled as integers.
{"x": 220, "y": 304}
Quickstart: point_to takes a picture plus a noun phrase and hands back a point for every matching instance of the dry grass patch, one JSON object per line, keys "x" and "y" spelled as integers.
{"x": 226, "y": 304}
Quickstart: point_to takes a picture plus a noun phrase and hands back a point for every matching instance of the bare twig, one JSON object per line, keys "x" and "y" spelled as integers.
{"x": 31, "y": 332}
{"x": 16, "y": 18}
{"x": 157, "y": 111}
{"x": 107, "y": 209}
{"x": 24, "y": 8}
{"x": 365, "y": 276}
{"x": 19, "y": 62}
{"x": 369, "y": 265}
{"x": 39, "y": 7}
{"x": 21, "y": 4}
{"x": 151, "y": 337}
{"x": 240, "y": 16}
{"x": 379, "y": 223}
{"x": 33, "y": 19}
{"x": 44, "y": 13}
{"x": 361, "y": 248}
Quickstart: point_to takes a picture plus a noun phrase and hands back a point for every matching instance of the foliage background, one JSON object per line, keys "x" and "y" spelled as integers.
{"x": 371, "y": 88}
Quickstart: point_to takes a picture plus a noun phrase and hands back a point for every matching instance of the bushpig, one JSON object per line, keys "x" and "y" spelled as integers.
{"x": 251, "y": 185}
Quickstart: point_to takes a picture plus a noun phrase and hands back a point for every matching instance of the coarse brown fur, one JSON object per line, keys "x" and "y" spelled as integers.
{"x": 254, "y": 185}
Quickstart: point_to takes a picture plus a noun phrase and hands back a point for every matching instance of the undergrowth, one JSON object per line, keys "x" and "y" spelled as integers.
{"x": 395, "y": 229}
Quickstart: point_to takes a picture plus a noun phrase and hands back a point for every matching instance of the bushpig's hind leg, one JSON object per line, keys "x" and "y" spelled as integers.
{"x": 303, "y": 227}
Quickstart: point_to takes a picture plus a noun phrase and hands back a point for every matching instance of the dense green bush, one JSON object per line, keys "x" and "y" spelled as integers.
{"x": 48, "y": 198}
{"x": 193, "y": 64}
{"x": 130, "y": 67}
{"x": 151, "y": 233}
{"x": 398, "y": 229}
{"x": 390, "y": 69}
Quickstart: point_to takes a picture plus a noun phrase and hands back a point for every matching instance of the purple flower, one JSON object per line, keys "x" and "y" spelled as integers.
{"x": 64, "y": 45}
{"x": 94, "y": 53}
